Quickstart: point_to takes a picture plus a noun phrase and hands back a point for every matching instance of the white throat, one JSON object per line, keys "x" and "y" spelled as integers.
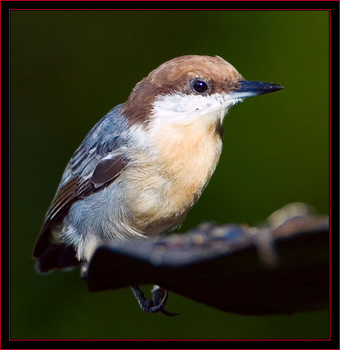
{"x": 182, "y": 108}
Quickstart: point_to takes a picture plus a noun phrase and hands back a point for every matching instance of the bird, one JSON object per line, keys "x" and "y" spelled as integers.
{"x": 145, "y": 164}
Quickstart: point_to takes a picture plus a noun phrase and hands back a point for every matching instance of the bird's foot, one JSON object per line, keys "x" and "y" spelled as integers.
{"x": 158, "y": 294}
{"x": 157, "y": 304}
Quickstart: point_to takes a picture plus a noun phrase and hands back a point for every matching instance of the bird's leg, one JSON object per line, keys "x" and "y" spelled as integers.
{"x": 149, "y": 305}
{"x": 158, "y": 294}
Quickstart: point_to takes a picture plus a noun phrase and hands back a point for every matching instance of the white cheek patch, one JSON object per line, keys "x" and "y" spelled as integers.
{"x": 181, "y": 107}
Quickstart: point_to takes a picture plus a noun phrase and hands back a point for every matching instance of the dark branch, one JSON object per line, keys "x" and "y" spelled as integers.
{"x": 278, "y": 268}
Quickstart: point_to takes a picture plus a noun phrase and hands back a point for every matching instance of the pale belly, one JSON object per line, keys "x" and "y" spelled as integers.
{"x": 161, "y": 194}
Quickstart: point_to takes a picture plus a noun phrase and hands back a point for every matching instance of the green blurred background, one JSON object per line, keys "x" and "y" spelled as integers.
{"x": 68, "y": 68}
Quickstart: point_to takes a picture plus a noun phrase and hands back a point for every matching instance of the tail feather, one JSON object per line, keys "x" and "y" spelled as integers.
{"x": 57, "y": 257}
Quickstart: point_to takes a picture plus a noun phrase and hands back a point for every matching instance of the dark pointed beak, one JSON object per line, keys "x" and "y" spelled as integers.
{"x": 249, "y": 88}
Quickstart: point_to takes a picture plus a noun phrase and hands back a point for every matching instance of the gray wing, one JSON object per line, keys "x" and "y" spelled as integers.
{"x": 97, "y": 162}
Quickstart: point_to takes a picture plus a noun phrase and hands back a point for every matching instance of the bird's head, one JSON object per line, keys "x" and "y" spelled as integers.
{"x": 190, "y": 89}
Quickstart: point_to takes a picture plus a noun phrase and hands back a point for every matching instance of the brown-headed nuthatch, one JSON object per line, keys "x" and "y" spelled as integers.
{"x": 145, "y": 164}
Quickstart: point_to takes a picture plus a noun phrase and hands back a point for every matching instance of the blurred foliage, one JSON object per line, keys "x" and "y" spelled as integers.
{"x": 68, "y": 68}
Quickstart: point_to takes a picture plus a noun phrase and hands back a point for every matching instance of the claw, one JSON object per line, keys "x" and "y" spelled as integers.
{"x": 147, "y": 305}
{"x": 157, "y": 294}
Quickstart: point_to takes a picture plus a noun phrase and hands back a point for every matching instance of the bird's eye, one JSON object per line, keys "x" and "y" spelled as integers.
{"x": 200, "y": 86}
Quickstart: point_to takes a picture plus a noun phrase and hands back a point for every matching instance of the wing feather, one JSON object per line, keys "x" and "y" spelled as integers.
{"x": 96, "y": 163}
